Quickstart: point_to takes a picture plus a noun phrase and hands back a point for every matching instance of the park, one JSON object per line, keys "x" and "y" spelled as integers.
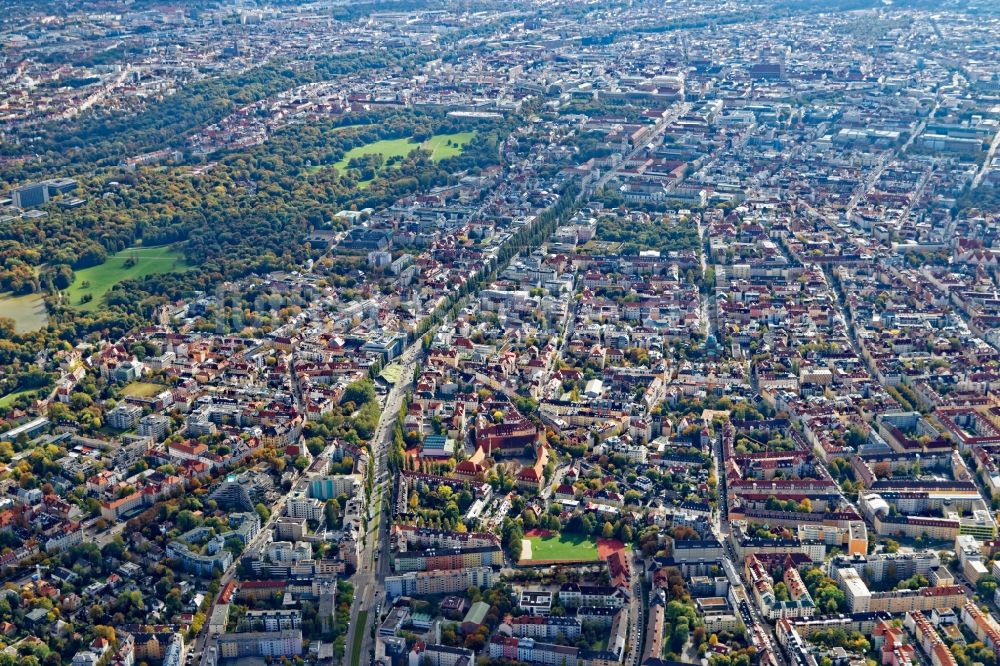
{"x": 440, "y": 146}
{"x": 91, "y": 284}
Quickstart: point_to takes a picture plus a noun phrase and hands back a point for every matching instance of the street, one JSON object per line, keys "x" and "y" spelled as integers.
{"x": 368, "y": 579}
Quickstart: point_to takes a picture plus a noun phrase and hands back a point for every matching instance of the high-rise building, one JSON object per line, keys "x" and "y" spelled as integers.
{"x": 232, "y": 494}
{"x": 331, "y": 487}
{"x": 154, "y": 425}
{"x": 124, "y": 416}
{"x": 31, "y": 195}
{"x": 60, "y": 186}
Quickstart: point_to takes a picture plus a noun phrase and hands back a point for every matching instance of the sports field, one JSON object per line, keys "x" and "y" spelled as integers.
{"x": 131, "y": 263}
{"x": 441, "y": 146}
{"x": 28, "y": 311}
{"x": 557, "y": 548}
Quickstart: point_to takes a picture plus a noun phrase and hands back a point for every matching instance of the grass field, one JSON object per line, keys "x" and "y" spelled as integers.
{"x": 441, "y": 146}
{"x": 142, "y": 389}
{"x": 313, "y": 168}
{"x": 561, "y": 548}
{"x": 6, "y": 400}
{"x": 358, "y": 635}
{"x": 98, "y": 280}
{"x": 28, "y": 312}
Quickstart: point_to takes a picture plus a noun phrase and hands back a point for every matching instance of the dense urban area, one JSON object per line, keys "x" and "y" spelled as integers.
{"x": 476, "y": 333}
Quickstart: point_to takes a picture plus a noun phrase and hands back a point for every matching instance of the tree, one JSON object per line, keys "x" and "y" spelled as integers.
{"x": 186, "y": 520}
{"x": 79, "y": 401}
{"x": 331, "y": 512}
{"x": 680, "y": 634}
{"x": 882, "y": 470}
{"x": 234, "y": 545}
{"x": 513, "y": 536}
{"x": 262, "y": 511}
{"x": 529, "y": 518}
{"x": 114, "y": 549}
{"x": 475, "y": 642}
{"x": 360, "y": 393}
{"x": 986, "y": 586}
{"x": 315, "y": 445}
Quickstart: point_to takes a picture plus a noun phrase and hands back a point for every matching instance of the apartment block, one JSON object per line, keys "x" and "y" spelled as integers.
{"x": 285, "y": 643}
{"x": 544, "y": 627}
{"x": 438, "y": 582}
{"x": 423, "y": 654}
{"x": 533, "y": 652}
{"x": 275, "y": 620}
{"x": 455, "y": 558}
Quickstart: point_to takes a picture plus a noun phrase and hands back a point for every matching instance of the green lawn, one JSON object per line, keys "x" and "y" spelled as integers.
{"x": 142, "y": 389}
{"x": 441, "y": 146}
{"x": 358, "y": 636}
{"x": 96, "y": 281}
{"x": 569, "y": 547}
{"x": 8, "y": 399}
{"x": 28, "y": 312}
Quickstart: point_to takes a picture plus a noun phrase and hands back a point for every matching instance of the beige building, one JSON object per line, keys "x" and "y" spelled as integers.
{"x": 654, "y": 633}
{"x": 438, "y": 582}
